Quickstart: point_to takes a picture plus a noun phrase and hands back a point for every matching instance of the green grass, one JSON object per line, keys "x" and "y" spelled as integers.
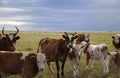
{"x": 29, "y": 42}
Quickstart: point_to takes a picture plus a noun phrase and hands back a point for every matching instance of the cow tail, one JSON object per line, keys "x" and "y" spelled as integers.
{"x": 39, "y": 48}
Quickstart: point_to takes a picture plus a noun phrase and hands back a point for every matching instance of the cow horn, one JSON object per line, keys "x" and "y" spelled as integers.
{"x": 74, "y": 33}
{"x": 17, "y": 30}
{"x": 65, "y": 33}
{"x": 3, "y": 31}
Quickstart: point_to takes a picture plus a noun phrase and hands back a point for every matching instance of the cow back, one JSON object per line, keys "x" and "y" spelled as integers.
{"x": 10, "y": 61}
{"x": 53, "y": 48}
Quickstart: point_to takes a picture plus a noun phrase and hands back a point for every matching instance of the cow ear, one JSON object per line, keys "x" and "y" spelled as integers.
{"x": 3, "y": 38}
{"x": 17, "y": 37}
{"x": 64, "y": 36}
{"x": 113, "y": 37}
{"x": 75, "y": 36}
{"x": 32, "y": 58}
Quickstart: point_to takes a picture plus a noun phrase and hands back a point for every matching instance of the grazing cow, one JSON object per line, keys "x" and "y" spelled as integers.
{"x": 116, "y": 41}
{"x": 96, "y": 52}
{"x": 8, "y": 42}
{"x": 82, "y": 37}
{"x": 24, "y": 63}
{"x": 57, "y": 50}
{"x": 74, "y": 56}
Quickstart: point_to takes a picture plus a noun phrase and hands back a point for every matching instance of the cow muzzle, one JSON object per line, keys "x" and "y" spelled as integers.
{"x": 69, "y": 45}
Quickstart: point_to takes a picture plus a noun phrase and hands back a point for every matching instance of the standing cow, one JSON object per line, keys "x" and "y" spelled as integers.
{"x": 57, "y": 50}
{"x": 74, "y": 56}
{"x": 75, "y": 53}
{"x": 96, "y": 52}
{"x": 8, "y": 41}
{"x": 116, "y": 41}
{"x": 26, "y": 64}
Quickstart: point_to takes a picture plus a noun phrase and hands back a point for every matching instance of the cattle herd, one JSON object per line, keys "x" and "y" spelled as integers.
{"x": 28, "y": 64}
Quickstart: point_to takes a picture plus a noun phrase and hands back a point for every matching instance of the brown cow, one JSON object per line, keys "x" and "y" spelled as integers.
{"x": 24, "y": 63}
{"x": 57, "y": 50}
{"x": 8, "y": 42}
{"x": 82, "y": 37}
{"x": 116, "y": 41}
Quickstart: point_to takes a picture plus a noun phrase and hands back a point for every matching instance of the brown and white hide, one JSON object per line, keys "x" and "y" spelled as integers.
{"x": 74, "y": 56}
{"x": 116, "y": 41}
{"x": 25, "y": 64}
{"x": 82, "y": 37}
{"x": 96, "y": 52}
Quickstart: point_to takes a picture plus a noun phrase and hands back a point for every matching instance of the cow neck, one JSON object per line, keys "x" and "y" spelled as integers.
{"x": 85, "y": 50}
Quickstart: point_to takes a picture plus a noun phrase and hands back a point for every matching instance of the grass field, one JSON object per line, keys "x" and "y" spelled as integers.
{"x": 29, "y": 42}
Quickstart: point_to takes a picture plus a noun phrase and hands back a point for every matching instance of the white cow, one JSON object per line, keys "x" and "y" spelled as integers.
{"x": 96, "y": 52}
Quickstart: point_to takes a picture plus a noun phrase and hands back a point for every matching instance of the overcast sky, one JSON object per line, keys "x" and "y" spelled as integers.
{"x": 60, "y": 15}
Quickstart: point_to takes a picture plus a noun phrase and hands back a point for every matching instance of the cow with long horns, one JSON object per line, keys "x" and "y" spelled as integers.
{"x": 8, "y": 41}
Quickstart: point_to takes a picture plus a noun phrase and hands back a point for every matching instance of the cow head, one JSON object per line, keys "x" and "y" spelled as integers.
{"x": 84, "y": 44}
{"x": 116, "y": 38}
{"x": 69, "y": 38}
{"x": 82, "y": 37}
{"x": 10, "y": 39}
{"x": 41, "y": 58}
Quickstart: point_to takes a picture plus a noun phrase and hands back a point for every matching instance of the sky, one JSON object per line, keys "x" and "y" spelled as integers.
{"x": 60, "y": 15}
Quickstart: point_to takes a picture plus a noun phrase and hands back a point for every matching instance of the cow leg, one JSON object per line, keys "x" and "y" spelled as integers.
{"x": 58, "y": 68}
{"x": 119, "y": 72}
{"x": 50, "y": 68}
{"x": 91, "y": 63}
{"x": 62, "y": 67}
{"x": 3, "y": 75}
{"x": 102, "y": 61}
{"x": 87, "y": 63}
{"x": 107, "y": 65}
{"x": 74, "y": 68}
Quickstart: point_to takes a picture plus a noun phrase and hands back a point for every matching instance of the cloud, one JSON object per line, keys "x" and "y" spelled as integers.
{"x": 15, "y": 18}
{"x": 60, "y": 15}
{"x": 12, "y": 23}
{"x": 10, "y": 9}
